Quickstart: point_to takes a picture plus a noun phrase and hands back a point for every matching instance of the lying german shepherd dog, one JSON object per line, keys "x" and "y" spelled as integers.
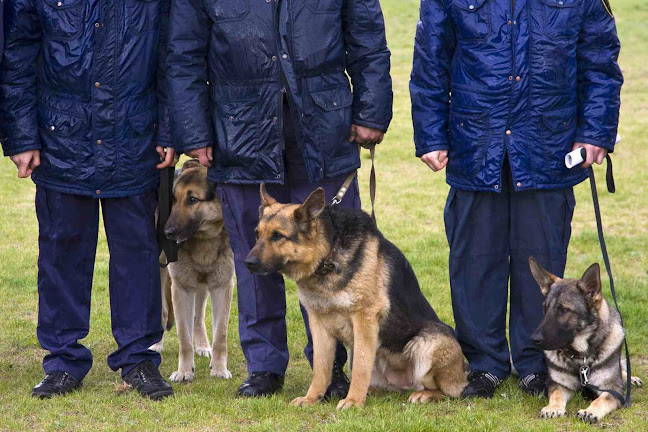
{"x": 580, "y": 333}
{"x": 205, "y": 267}
{"x": 357, "y": 287}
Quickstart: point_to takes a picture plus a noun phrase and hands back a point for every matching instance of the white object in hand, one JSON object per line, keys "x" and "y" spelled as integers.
{"x": 574, "y": 158}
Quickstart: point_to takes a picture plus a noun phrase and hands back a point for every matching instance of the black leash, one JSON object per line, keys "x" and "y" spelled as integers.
{"x": 606, "y": 259}
{"x": 165, "y": 202}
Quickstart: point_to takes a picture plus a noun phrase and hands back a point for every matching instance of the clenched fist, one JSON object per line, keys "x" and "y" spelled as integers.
{"x": 26, "y": 162}
{"x": 436, "y": 160}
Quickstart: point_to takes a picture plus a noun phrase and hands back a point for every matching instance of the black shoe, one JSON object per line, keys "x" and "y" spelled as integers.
{"x": 339, "y": 387}
{"x": 534, "y": 384}
{"x": 261, "y": 384}
{"x": 146, "y": 379}
{"x": 55, "y": 383}
{"x": 480, "y": 385}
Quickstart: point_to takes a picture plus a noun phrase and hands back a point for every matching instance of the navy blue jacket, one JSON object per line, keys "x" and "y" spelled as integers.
{"x": 230, "y": 62}
{"x": 78, "y": 82}
{"x": 529, "y": 83}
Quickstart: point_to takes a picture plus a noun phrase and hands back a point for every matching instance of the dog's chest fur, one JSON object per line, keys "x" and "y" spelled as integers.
{"x": 204, "y": 262}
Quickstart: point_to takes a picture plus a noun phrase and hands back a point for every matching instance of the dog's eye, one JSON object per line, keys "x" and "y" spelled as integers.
{"x": 276, "y": 236}
{"x": 192, "y": 200}
{"x": 562, "y": 309}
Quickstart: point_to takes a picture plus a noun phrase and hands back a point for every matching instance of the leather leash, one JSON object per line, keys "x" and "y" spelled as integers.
{"x": 609, "y": 177}
{"x": 372, "y": 184}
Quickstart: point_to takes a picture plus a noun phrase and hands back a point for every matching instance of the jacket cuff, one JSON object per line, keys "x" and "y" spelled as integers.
{"x": 364, "y": 123}
{"x": 420, "y": 151}
{"x": 197, "y": 145}
{"x": 12, "y": 151}
{"x": 586, "y": 140}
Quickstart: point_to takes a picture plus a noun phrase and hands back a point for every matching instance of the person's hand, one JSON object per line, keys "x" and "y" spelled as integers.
{"x": 436, "y": 160}
{"x": 594, "y": 154}
{"x": 167, "y": 156}
{"x": 26, "y": 162}
{"x": 365, "y": 136}
{"x": 203, "y": 154}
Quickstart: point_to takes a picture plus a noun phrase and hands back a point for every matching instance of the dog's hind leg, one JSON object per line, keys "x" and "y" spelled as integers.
{"x": 635, "y": 381}
{"x": 184, "y": 305}
{"x": 221, "y": 303}
{"x": 200, "y": 338}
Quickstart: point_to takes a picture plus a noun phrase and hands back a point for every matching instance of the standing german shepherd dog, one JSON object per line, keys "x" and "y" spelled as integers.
{"x": 579, "y": 329}
{"x": 205, "y": 266}
{"x": 357, "y": 287}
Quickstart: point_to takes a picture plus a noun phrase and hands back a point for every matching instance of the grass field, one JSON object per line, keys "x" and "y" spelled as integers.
{"x": 410, "y": 205}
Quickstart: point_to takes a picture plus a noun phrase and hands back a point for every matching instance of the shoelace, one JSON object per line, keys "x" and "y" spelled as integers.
{"x": 529, "y": 378}
{"x": 487, "y": 377}
{"x": 149, "y": 374}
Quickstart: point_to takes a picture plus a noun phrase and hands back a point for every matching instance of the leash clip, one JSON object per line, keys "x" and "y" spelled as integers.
{"x": 584, "y": 375}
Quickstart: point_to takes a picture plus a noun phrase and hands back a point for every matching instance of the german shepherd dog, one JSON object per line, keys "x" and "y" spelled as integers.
{"x": 357, "y": 287}
{"x": 205, "y": 266}
{"x": 579, "y": 329}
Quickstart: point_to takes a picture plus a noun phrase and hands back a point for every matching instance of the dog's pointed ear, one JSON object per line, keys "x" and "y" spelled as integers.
{"x": 266, "y": 199}
{"x": 543, "y": 277}
{"x": 312, "y": 207}
{"x": 191, "y": 163}
{"x": 590, "y": 284}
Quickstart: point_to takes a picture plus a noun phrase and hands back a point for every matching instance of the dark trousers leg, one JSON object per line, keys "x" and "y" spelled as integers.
{"x": 540, "y": 227}
{"x": 135, "y": 294}
{"x": 477, "y": 226}
{"x": 67, "y": 242}
{"x": 261, "y": 299}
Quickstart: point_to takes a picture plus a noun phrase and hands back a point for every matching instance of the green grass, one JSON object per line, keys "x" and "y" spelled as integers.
{"x": 410, "y": 205}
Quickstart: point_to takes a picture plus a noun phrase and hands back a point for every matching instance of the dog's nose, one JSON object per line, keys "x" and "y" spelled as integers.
{"x": 170, "y": 232}
{"x": 252, "y": 263}
{"x": 537, "y": 339}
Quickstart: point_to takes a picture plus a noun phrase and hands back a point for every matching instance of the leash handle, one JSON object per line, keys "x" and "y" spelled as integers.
{"x": 606, "y": 259}
{"x": 372, "y": 184}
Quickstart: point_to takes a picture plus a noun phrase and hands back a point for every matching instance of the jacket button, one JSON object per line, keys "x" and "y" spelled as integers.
{"x": 97, "y": 25}
{"x": 99, "y": 142}
{"x": 471, "y": 7}
{"x": 511, "y": 78}
{"x": 154, "y": 125}
{"x": 274, "y": 119}
{"x": 519, "y": 184}
{"x": 52, "y": 128}
{"x": 334, "y": 103}
{"x": 496, "y": 187}
{"x": 518, "y": 78}
{"x": 274, "y": 58}
{"x": 98, "y": 192}
{"x": 509, "y": 22}
{"x": 231, "y": 118}
{"x": 59, "y": 4}
{"x": 285, "y": 56}
{"x": 97, "y": 84}
{"x": 508, "y": 132}
{"x": 461, "y": 124}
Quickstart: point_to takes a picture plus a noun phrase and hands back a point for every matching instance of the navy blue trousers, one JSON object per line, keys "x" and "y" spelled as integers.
{"x": 68, "y": 229}
{"x": 262, "y": 299}
{"x": 491, "y": 238}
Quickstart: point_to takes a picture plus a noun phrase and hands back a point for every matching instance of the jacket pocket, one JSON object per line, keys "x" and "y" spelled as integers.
{"x": 558, "y": 18}
{"x": 229, "y": 10}
{"x": 472, "y": 19}
{"x": 63, "y": 19}
{"x": 469, "y": 132}
{"x": 140, "y": 134}
{"x": 63, "y": 138}
{"x": 332, "y": 114}
{"x": 236, "y": 123}
{"x": 558, "y": 132}
{"x": 142, "y": 16}
{"x": 325, "y": 6}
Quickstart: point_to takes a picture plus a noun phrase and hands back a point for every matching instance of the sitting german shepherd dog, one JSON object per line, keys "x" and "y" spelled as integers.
{"x": 357, "y": 287}
{"x": 580, "y": 330}
{"x": 205, "y": 267}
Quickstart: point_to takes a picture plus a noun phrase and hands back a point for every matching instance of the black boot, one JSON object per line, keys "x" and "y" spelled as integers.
{"x": 261, "y": 384}
{"x": 480, "y": 385}
{"x": 339, "y": 387}
{"x": 55, "y": 383}
{"x": 534, "y": 384}
{"x": 146, "y": 379}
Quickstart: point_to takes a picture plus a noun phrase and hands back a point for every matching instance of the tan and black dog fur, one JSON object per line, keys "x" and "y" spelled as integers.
{"x": 205, "y": 267}
{"x": 579, "y": 328}
{"x": 357, "y": 287}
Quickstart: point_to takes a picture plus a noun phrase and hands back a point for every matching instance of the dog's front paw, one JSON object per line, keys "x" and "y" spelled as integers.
{"x": 158, "y": 347}
{"x": 588, "y": 416}
{"x": 636, "y": 381}
{"x": 203, "y": 352}
{"x": 221, "y": 373}
{"x": 552, "y": 412}
{"x": 303, "y": 401}
{"x": 424, "y": 396}
{"x": 180, "y": 376}
{"x": 350, "y": 403}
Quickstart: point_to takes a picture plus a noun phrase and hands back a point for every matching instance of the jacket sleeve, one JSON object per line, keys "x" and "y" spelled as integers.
{"x": 599, "y": 77}
{"x": 430, "y": 81}
{"x": 164, "y": 118}
{"x": 187, "y": 73}
{"x": 368, "y": 63}
{"x": 18, "y": 107}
